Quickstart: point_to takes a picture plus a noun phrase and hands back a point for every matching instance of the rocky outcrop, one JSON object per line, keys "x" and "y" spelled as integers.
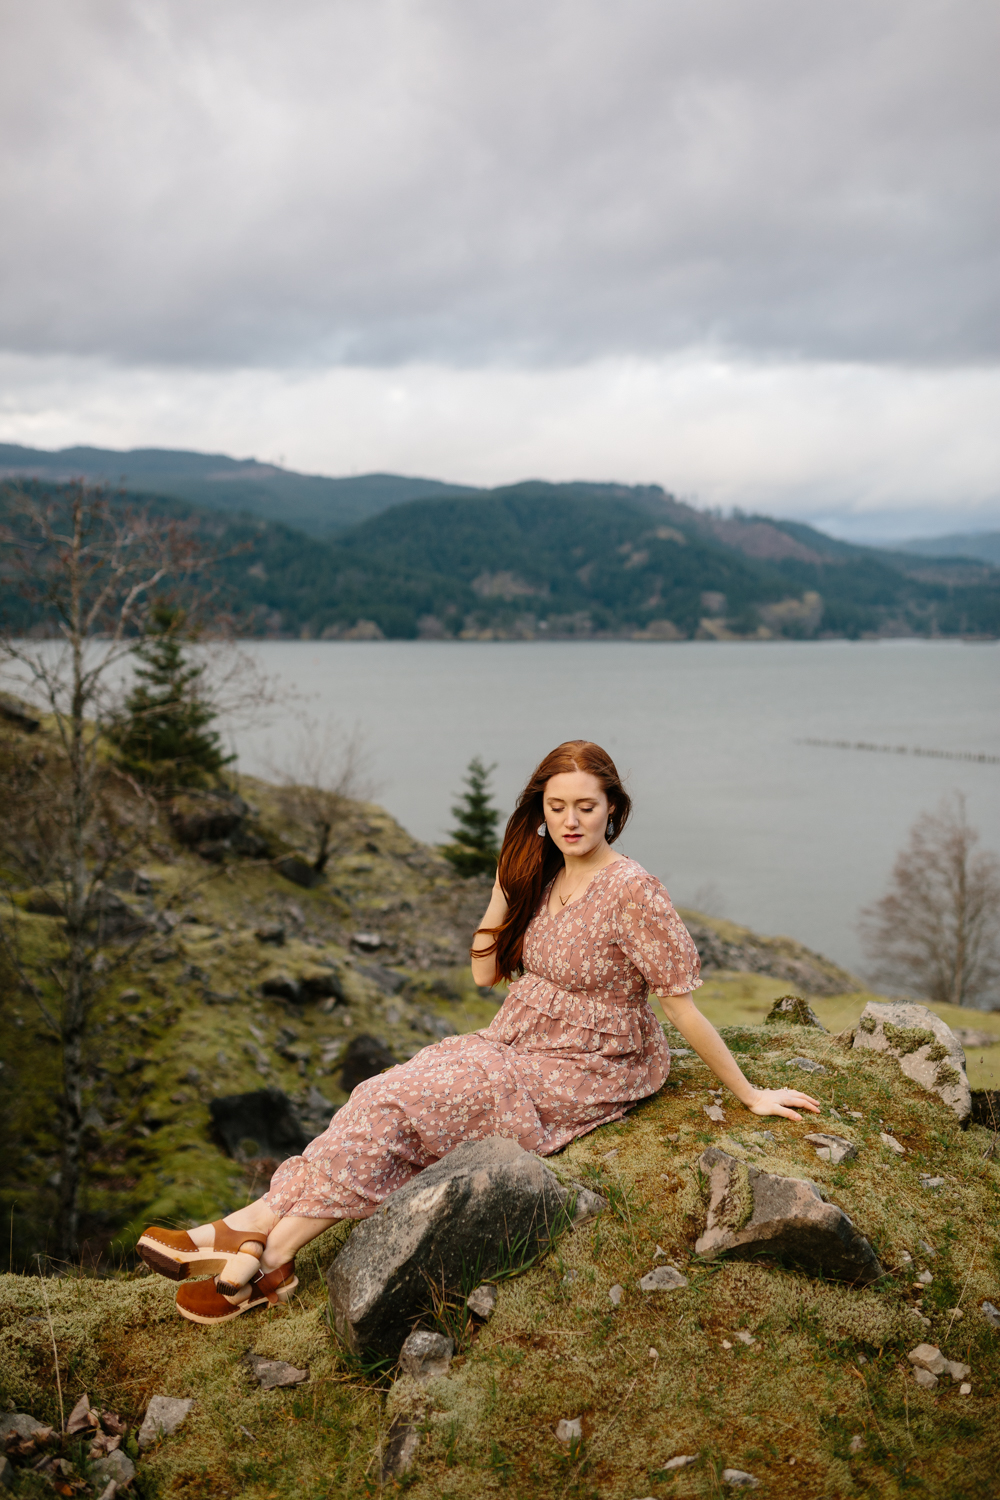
{"x": 365, "y": 1057}
{"x": 751, "y": 1212}
{"x": 926, "y": 1049}
{"x": 486, "y": 1205}
{"x": 260, "y": 1124}
{"x": 724, "y": 945}
{"x": 791, "y": 1010}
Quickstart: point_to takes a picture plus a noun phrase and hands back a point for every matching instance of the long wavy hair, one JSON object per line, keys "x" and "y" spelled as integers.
{"x": 527, "y": 863}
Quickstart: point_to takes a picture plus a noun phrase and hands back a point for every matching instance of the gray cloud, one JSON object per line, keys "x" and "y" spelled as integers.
{"x": 376, "y": 181}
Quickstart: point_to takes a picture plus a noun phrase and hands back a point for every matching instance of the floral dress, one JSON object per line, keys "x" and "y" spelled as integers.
{"x": 574, "y": 1045}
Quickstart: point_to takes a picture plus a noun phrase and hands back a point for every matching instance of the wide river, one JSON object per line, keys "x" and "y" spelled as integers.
{"x": 732, "y": 810}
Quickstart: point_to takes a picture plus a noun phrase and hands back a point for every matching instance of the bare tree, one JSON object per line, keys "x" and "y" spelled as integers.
{"x": 318, "y": 780}
{"x": 91, "y": 567}
{"x": 936, "y": 931}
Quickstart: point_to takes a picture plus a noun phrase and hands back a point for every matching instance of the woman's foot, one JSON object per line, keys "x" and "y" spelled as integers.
{"x": 204, "y": 1302}
{"x": 231, "y": 1252}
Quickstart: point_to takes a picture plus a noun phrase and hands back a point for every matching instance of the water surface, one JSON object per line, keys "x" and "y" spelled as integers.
{"x": 731, "y": 810}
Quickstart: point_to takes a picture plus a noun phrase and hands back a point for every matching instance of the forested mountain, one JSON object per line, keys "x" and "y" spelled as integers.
{"x": 577, "y": 561}
{"x": 309, "y": 502}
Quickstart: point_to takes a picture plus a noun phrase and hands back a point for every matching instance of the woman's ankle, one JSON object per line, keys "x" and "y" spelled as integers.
{"x": 255, "y": 1216}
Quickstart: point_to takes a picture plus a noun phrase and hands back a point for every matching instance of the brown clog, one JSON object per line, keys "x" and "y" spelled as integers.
{"x": 173, "y": 1253}
{"x": 202, "y": 1302}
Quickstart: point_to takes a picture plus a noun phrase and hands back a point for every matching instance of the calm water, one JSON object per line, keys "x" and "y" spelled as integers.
{"x": 731, "y": 812}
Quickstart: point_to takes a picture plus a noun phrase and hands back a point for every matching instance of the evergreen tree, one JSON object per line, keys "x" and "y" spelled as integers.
{"x": 164, "y": 740}
{"x": 473, "y": 849}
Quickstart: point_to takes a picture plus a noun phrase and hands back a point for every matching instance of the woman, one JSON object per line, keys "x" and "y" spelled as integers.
{"x": 574, "y": 1045}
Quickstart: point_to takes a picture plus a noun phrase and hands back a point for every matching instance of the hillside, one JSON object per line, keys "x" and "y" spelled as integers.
{"x": 573, "y": 561}
{"x": 246, "y": 980}
{"x": 982, "y": 546}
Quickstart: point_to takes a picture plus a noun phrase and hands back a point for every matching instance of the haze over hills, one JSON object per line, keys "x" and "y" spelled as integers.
{"x": 982, "y": 546}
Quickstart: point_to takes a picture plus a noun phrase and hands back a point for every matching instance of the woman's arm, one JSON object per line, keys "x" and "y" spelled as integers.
{"x": 682, "y": 1013}
{"x": 484, "y": 966}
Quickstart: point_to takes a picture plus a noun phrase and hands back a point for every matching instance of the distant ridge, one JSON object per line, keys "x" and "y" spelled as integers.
{"x": 310, "y": 502}
{"x": 981, "y": 546}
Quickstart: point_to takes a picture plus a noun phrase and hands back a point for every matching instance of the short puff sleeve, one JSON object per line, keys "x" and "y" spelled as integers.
{"x": 652, "y": 936}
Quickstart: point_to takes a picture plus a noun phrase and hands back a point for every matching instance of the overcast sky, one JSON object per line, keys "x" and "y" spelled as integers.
{"x": 743, "y": 248}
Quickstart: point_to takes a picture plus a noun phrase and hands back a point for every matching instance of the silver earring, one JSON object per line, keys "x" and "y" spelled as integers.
{"x": 542, "y": 830}
{"x": 610, "y": 828}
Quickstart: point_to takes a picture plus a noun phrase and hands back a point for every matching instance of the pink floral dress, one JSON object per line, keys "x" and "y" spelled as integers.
{"x": 574, "y": 1044}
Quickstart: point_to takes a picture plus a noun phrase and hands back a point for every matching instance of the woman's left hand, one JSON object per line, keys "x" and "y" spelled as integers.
{"x": 782, "y": 1102}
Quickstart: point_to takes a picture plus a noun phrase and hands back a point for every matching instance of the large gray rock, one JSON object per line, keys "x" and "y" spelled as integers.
{"x": 752, "y": 1212}
{"x": 926, "y": 1049}
{"x": 483, "y": 1204}
{"x": 792, "y": 1010}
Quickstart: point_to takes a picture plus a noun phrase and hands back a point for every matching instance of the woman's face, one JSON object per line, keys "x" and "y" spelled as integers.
{"x": 576, "y": 812}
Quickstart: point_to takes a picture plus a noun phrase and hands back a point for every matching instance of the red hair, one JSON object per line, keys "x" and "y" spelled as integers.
{"x": 527, "y": 863}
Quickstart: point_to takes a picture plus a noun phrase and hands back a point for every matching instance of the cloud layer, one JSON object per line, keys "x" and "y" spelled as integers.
{"x": 747, "y": 248}
{"x": 459, "y": 181}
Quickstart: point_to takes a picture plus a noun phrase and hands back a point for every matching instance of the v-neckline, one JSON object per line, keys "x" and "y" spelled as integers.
{"x": 554, "y": 915}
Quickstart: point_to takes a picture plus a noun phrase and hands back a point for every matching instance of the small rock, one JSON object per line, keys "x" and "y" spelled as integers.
{"x": 927, "y": 1357}
{"x": 653, "y": 1353}
{"x": 714, "y": 1112}
{"x": 954, "y": 1313}
{"x": 791, "y": 1010}
{"x": 832, "y": 1148}
{"x": 482, "y": 1301}
{"x": 892, "y": 1143}
{"x": 682, "y": 1460}
{"x": 925, "y": 1379}
{"x": 808, "y": 1066}
{"x": 400, "y": 1449}
{"x": 905, "y": 1258}
{"x": 587, "y": 1206}
{"x": 744, "y": 1336}
{"x": 110, "y": 1490}
{"x": 569, "y": 1428}
{"x": 739, "y": 1479}
{"x": 932, "y": 1182}
{"x": 991, "y": 1313}
{"x": 925, "y": 1278}
{"x": 6, "y": 1473}
{"x": 368, "y": 942}
{"x": 726, "y": 1344}
{"x": 21, "y": 1435}
{"x": 927, "y": 1250}
{"x": 751, "y": 1211}
{"x": 658, "y": 1252}
{"x": 610, "y": 1155}
{"x": 957, "y": 1370}
{"x": 117, "y": 1466}
{"x": 856, "y": 1444}
{"x": 271, "y": 1373}
{"x": 965, "y": 1389}
{"x": 767, "y": 1136}
{"x": 663, "y": 1279}
{"x": 164, "y": 1415}
{"x": 615, "y": 1294}
{"x": 426, "y": 1355}
{"x": 274, "y": 933}
{"x": 570, "y": 1277}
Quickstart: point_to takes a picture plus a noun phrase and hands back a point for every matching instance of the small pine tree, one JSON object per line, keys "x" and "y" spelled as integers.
{"x": 473, "y": 848}
{"x": 164, "y": 739}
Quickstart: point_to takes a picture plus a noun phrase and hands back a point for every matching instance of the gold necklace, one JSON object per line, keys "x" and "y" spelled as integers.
{"x": 563, "y": 900}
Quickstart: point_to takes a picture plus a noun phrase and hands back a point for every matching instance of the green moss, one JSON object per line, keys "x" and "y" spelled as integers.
{"x": 907, "y": 1038}
{"x": 867, "y": 1024}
